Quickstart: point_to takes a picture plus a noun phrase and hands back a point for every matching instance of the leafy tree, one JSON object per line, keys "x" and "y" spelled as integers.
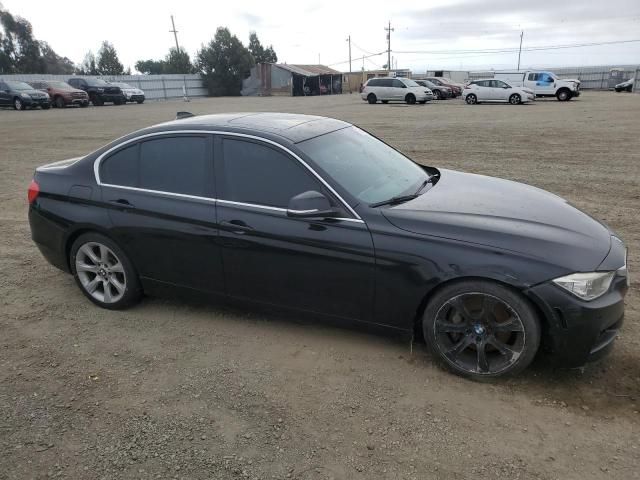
{"x": 259, "y": 53}
{"x": 88, "y": 65}
{"x": 224, "y": 62}
{"x": 107, "y": 60}
{"x": 54, "y": 63}
{"x": 150, "y": 67}
{"x": 176, "y": 61}
{"x": 21, "y": 51}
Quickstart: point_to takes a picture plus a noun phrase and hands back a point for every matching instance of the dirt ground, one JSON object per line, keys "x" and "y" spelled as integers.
{"x": 175, "y": 389}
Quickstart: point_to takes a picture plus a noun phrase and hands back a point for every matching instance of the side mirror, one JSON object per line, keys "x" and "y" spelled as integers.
{"x": 506, "y": 87}
{"x": 311, "y": 204}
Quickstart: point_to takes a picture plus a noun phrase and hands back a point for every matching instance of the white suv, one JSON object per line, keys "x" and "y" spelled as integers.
{"x": 490, "y": 90}
{"x": 388, "y": 89}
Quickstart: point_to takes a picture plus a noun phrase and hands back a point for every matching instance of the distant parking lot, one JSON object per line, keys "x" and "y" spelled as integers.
{"x": 177, "y": 389}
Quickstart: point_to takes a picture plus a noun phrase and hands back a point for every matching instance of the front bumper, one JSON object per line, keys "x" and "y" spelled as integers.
{"x": 112, "y": 97}
{"x": 36, "y": 102}
{"x": 135, "y": 98}
{"x": 576, "y": 331}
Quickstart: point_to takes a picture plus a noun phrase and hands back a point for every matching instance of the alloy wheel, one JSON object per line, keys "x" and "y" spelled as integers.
{"x": 17, "y": 103}
{"x": 479, "y": 333}
{"x": 100, "y": 272}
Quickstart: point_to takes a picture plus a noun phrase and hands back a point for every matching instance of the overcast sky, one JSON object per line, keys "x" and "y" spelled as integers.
{"x": 303, "y": 30}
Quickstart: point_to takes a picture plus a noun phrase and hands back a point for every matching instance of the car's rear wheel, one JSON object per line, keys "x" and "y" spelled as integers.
{"x": 59, "y": 102}
{"x": 103, "y": 272}
{"x": 17, "y": 104}
{"x": 480, "y": 329}
{"x": 471, "y": 99}
{"x": 371, "y": 98}
{"x": 410, "y": 99}
{"x": 515, "y": 99}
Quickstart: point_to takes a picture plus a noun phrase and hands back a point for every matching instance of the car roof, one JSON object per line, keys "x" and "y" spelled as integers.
{"x": 291, "y": 126}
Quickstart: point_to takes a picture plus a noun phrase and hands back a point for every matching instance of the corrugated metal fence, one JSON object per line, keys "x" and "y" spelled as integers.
{"x": 156, "y": 87}
{"x": 596, "y": 78}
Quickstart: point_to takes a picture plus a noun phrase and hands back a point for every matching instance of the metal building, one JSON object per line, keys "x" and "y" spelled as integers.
{"x": 294, "y": 80}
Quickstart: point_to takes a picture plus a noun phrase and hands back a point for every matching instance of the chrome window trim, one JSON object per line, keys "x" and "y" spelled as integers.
{"x": 96, "y": 168}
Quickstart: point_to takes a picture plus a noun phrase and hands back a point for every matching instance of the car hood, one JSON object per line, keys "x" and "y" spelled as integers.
{"x": 506, "y": 215}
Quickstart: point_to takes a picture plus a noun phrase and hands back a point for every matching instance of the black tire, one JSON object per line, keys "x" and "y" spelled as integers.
{"x": 629, "y": 88}
{"x": 437, "y": 95}
{"x": 97, "y": 101}
{"x": 410, "y": 99}
{"x": 84, "y": 105}
{"x": 422, "y": 102}
{"x": 505, "y": 328}
{"x": 140, "y": 101}
{"x": 46, "y": 106}
{"x": 563, "y": 95}
{"x": 132, "y": 290}
{"x": 384, "y": 101}
{"x": 59, "y": 102}
{"x": 371, "y": 98}
{"x": 471, "y": 99}
{"x": 515, "y": 99}
{"x": 17, "y": 104}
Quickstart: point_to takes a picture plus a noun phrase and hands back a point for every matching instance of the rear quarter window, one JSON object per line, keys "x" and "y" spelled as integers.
{"x": 121, "y": 168}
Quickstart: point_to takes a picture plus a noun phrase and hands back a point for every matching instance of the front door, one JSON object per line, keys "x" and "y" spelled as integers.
{"x": 5, "y": 97}
{"x": 320, "y": 265}
{"x": 160, "y": 195}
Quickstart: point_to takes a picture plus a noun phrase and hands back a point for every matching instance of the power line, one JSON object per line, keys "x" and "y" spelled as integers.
{"x": 512, "y": 50}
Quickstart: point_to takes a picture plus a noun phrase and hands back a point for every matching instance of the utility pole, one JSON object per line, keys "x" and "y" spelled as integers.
{"x": 389, "y": 30}
{"x": 520, "y": 50}
{"x": 175, "y": 36}
{"x": 349, "y": 40}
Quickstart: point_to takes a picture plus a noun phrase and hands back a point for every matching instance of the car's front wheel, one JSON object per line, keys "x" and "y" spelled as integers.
{"x": 436, "y": 95}
{"x": 103, "y": 272}
{"x": 481, "y": 329}
{"x": 59, "y": 102}
{"x": 410, "y": 99}
{"x": 17, "y": 104}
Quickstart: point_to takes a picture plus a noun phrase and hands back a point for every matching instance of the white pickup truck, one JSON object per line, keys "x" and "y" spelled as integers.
{"x": 544, "y": 84}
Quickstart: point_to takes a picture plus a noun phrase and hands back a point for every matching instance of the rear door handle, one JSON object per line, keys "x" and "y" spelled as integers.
{"x": 236, "y": 226}
{"x": 122, "y": 202}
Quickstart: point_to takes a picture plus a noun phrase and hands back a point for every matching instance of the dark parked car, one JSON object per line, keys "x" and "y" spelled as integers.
{"x": 99, "y": 91}
{"x": 317, "y": 215}
{"x": 625, "y": 86}
{"x": 456, "y": 88}
{"x": 61, "y": 93}
{"x": 21, "y": 95}
{"x": 439, "y": 92}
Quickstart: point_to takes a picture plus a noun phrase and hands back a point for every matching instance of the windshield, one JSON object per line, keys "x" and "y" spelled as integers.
{"x": 121, "y": 85}
{"x": 60, "y": 85}
{"x": 410, "y": 83}
{"x": 19, "y": 86}
{"x": 96, "y": 82}
{"x": 365, "y": 167}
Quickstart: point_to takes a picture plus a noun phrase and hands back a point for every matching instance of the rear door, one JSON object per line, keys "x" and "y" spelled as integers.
{"x": 483, "y": 90}
{"x": 320, "y": 265}
{"x": 160, "y": 193}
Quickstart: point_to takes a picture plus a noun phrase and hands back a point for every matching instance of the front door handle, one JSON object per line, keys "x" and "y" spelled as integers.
{"x": 236, "y": 226}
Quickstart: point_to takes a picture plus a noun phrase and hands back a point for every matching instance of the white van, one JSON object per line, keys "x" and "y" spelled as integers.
{"x": 544, "y": 84}
{"x": 387, "y": 89}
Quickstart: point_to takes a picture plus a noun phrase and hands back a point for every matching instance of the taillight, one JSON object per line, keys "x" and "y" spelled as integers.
{"x": 34, "y": 190}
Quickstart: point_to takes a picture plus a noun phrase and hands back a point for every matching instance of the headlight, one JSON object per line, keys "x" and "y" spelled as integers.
{"x": 586, "y": 286}
{"x": 25, "y": 95}
{"x": 100, "y": 90}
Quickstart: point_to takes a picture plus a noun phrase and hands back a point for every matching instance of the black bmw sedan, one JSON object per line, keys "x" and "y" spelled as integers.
{"x": 316, "y": 214}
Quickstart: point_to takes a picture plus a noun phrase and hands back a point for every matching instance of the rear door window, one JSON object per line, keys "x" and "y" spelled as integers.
{"x": 533, "y": 77}
{"x": 261, "y": 175}
{"x": 175, "y": 165}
